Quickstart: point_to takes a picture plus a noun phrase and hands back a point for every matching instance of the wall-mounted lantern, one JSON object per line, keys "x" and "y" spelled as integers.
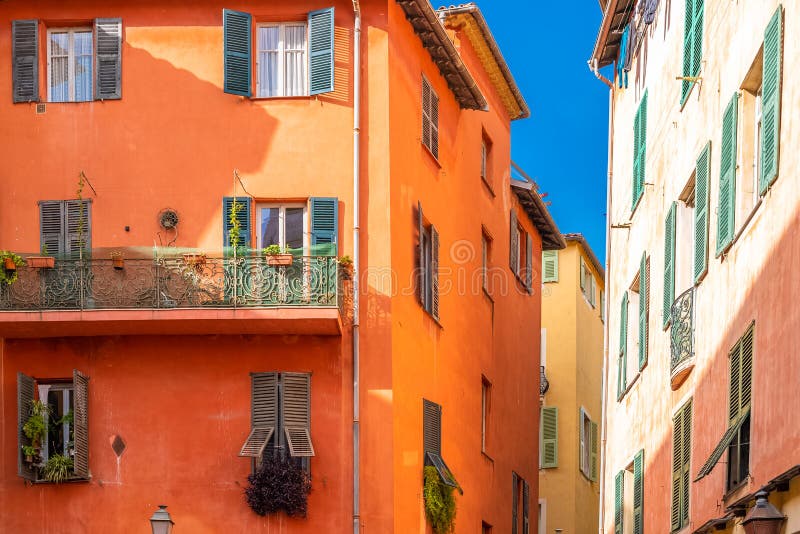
{"x": 763, "y": 518}
{"x": 161, "y": 522}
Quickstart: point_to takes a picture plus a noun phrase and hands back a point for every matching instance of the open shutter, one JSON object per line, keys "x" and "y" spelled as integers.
{"x": 697, "y": 35}
{"x": 420, "y": 256}
{"x": 727, "y": 177}
{"x": 677, "y": 462}
{"x": 549, "y": 445}
{"x": 641, "y": 147}
{"x": 619, "y": 488}
{"x": 320, "y": 46}
{"x": 595, "y": 447}
{"x": 635, "y": 188}
{"x": 526, "y": 507}
{"x": 513, "y": 256}
{"x": 528, "y": 262}
{"x": 701, "y": 213}
{"x": 622, "y": 381}
{"x": 244, "y": 214}
{"x": 108, "y": 59}
{"x": 583, "y": 276}
{"x": 688, "y": 41}
{"x": 263, "y": 414}
{"x": 686, "y": 436}
{"x": 431, "y": 427}
{"x": 25, "y": 392}
{"x": 771, "y": 101}
{"x": 669, "y": 264}
{"x": 747, "y": 370}
{"x": 80, "y": 383}
{"x": 550, "y": 266}
{"x": 324, "y": 226}
{"x": 583, "y": 445}
{"x": 434, "y": 273}
{"x": 722, "y": 446}
{"x": 51, "y": 227}
{"x": 25, "y": 60}
{"x": 238, "y": 63}
{"x": 296, "y": 406}
{"x": 78, "y": 227}
{"x": 638, "y": 493}
{"x": 643, "y": 298}
{"x": 514, "y": 502}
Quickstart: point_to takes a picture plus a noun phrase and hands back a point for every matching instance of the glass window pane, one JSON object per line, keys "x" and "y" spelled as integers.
{"x": 295, "y": 43}
{"x": 83, "y": 66}
{"x": 294, "y": 228}
{"x": 270, "y": 227}
{"x": 268, "y": 46}
{"x": 59, "y": 67}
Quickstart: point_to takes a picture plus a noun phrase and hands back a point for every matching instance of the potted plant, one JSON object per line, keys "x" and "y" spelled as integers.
{"x": 35, "y": 429}
{"x": 8, "y": 274}
{"x": 346, "y": 264}
{"x": 440, "y": 503}
{"x": 58, "y": 468}
{"x": 117, "y": 260}
{"x": 279, "y": 484}
{"x": 42, "y": 262}
{"x": 194, "y": 258}
{"x": 277, "y": 256}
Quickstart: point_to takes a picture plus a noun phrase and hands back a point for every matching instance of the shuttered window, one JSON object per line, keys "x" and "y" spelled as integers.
{"x": 321, "y": 49}
{"x": 548, "y": 445}
{"x": 237, "y": 50}
{"x": 595, "y": 451}
{"x": 281, "y": 60}
{"x": 644, "y": 309}
{"x": 669, "y": 264}
{"x": 108, "y": 62}
{"x": 243, "y": 207}
{"x": 324, "y": 226}
{"x": 638, "y": 493}
{"x": 622, "y": 363}
{"x": 65, "y": 226}
{"x": 526, "y": 507}
{"x": 639, "y": 151}
{"x": 727, "y": 177}
{"x": 25, "y": 60}
{"x": 432, "y": 441}
{"x": 428, "y": 265}
{"x": 587, "y": 431}
{"x": 681, "y": 456}
{"x": 619, "y": 504}
{"x": 550, "y": 266}
{"x": 514, "y": 503}
{"x": 702, "y": 175}
{"x": 771, "y": 101}
{"x": 430, "y": 118}
{"x": 692, "y": 44}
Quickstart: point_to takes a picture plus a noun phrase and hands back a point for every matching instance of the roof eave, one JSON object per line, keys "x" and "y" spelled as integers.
{"x": 539, "y": 215}
{"x": 599, "y": 58}
{"x": 580, "y": 238}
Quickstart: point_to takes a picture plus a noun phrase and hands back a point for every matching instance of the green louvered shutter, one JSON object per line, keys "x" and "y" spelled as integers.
{"x": 686, "y": 454}
{"x": 550, "y": 266}
{"x": 727, "y": 177}
{"x": 639, "y": 150}
{"x": 324, "y": 226}
{"x": 619, "y": 488}
{"x": 669, "y": 264}
{"x": 701, "y": 213}
{"x": 747, "y": 370}
{"x": 320, "y": 46}
{"x": 635, "y": 193}
{"x": 549, "y": 435}
{"x": 622, "y": 379}
{"x": 638, "y": 493}
{"x": 595, "y": 446}
{"x": 735, "y": 393}
{"x": 244, "y": 214}
{"x": 677, "y": 462}
{"x": 238, "y": 50}
{"x": 692, "y": 43}
{"x": 697, "y": 36}
{"x": 771, "y": 101}
{"x": 643, "y": 309}
{"x": 25, "y": 60}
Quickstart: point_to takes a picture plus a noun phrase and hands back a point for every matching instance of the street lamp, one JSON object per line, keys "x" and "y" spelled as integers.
{"x": 763, "y": 518}
{"x": 161, "y": 522}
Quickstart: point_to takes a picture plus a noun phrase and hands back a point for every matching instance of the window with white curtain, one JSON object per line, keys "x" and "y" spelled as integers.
{"x": 282, "y": 60}
{"x": 69, "y": 65}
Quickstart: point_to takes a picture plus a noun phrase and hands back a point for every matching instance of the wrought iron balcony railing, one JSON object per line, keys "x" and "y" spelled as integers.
{"x": 544, "y": 383}
{"x": 682, "y": 333}
{"x": 176, "y": 282}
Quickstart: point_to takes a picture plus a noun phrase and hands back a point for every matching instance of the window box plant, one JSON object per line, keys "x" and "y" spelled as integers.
{"x": 280, "y": 484}
{"x": 41, "y": 262}
{"x": 277, "y": 256}
{"x": 194, "y": 258}
{"x": 8, "y": 274}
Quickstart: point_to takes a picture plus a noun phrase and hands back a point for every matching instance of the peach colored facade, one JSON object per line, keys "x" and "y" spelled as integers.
{"x": 174, "y": 381}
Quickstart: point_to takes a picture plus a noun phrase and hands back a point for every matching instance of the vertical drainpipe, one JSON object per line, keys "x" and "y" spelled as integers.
{"x": 356, "y": 259}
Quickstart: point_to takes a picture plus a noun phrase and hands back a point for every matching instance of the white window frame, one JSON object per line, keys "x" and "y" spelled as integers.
{"x": 67, "y": 390}
{"x": 260, "y": 91}
{"x": 282, "y": 223}
{"x": 70, "y": 31}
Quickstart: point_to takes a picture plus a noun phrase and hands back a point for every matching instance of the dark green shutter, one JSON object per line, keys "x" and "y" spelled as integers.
{"x": 643, "y": 309}
{"x": 638, "y": 493}
{"x": 622, "y": 379}
{"x": 238, "y": 50}
{"x": 702, "y": 174}
{"x": 639, "y": 150}
{"x": 771, "y": 101}
{"x": 686, "y": 455}
{"x": 25, "y": 394}
{"x": 595, "y": 447}
{"x": 513, "y": 256}
{"x": 677, "y": 462}
{"x": 80, "y": 384}
{"x": 431, "y": 427}
{"x": 295, "y": 393}
{"x": 619, "y": 510}
{"x": 25, "y": 60}
{"x": 108, "y": 60}
{"x": 320, "y": 46}
{"x": 244, "y": 213}
{"x": 727, "y": 177}
{"x": 669, "y": 264}
{"x": 692, "y": 43}
{"x": 434, "y": 273}
{"x": 549, "y": 436}
{"x": 324, "y": 226}
{"x": 741, "y": 375}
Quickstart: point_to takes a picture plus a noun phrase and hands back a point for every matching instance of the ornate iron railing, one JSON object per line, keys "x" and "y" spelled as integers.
{"x": 175, "y": 282}
{"x": 544, "y": 383}
{"x": 682, "y": 331}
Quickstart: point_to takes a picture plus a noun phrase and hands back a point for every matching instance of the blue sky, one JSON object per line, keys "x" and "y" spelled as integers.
{"x": 563, "y": 145}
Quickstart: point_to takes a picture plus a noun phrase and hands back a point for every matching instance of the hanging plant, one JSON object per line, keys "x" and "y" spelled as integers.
{"x": 440, "y": 503}
{"x": 8, "y": 266}
{"x": 279, "y": 484}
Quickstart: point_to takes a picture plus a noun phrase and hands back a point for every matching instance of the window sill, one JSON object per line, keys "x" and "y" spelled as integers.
{"x": 522, "y": 285}
{"x": 488, "y": 186}
{"x": 629, "y": 387}
{"x": 737, "y": 491}
{"x": 487, "y": 457}
{"x": 73, "y": 480}
{"x": 275, "y": 98}
{"x": 742, "y": 229}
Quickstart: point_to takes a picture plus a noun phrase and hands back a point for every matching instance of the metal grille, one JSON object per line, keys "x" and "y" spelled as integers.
{"x": 682, "y": 334}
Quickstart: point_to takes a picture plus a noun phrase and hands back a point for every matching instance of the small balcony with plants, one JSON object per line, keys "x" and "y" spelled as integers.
{"x": 682, "y": 338}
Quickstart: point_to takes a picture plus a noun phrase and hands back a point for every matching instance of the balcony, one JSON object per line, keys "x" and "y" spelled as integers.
{"x": 682, "y": 338}
{"x": 173, "y": 295}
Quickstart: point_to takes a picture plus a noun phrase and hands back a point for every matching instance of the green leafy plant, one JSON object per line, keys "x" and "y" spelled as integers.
{"x": 235, "y": 230}
{"x": 279, "y": 484}
{"x": 58, "y": 468}
{"x": 30, "y": 450}
{"x": 35, "y": 427}
{"x": 345, "y": 261}
{"x": 274, "y": 250}
{"x": 44, "y": 249}
{"x": 440, "y": 503}
{"x": 9, "y": 277}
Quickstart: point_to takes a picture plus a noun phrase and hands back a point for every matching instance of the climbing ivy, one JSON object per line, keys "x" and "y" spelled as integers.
{"x": 440, "y": 503}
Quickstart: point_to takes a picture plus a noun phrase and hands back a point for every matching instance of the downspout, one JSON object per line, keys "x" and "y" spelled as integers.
{"x": 356, "y": 259}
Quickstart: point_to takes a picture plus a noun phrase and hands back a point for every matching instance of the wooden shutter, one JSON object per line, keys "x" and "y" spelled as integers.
{"x": 296, "y": 413}
{"x": 702, "y": 174}
{"x": 431, "y": 427}
{"x": 528, "y": 262}
{"x": 692, "y": 43}
{"x": 434, "y": 273}
{"x": 25, "y": 60}
{"x": 513, "y": 256}
{"x": 320, "y": 47}
{"x": 622, "y": 381}
{"x": 25, "y": 392}
{"x": 514, "y": 502}
{"x": 686, "y": 455}
{"x": 639, "y": 150}
{"x": 724, "y": 443}
{"x": 426, "y": 112}
{"x": 644, "y": 275}
{"x": 549, "y": 435}
{"x": 677, "y": 462}
{"x": 595, "y": 447}
{"x": 434, "y": 114}
{"x": 638, "y": 493}
{"x": 80, "y": 383}
{"x": 583, "y": 444}
{"x": 526, "y": 507}
{"x": 727, "y": 177}
{"x": 771, "y": 101}
{"x": 619, "y": 510}
{"x": 550, "y": 266}
{"x": 108, "y": 59}
{"x": 697, "y": 36}
{"x": 238, "y": 49}
{"x": 51, "y": 227}
{"x": 421, "y": 256}
{"x": 669, "y": 264}
{"x": 734, "y": 395}
{"x": 244, "y": 209}
{"x": 263, "y": 414}
{"x": 583, "y": 276}
{"x": 747, "y": 369}
{"x": 741, "y": 376}
{"x": 78, "y": 227}
{"x": 324, "y": 225}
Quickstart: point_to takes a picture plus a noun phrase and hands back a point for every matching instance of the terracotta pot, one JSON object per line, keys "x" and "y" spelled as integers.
{"x": 9, "y": 264}
{"x": 279, "y": 259}
{"x": 193, "y": 258}
{"x": 119, "y": 263}
{"x": 41, "y": 262}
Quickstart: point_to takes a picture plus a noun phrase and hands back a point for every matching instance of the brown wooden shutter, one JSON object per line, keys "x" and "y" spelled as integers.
{"x": 526, "y": 522}
{"x": 514, "y": 502}
{"x": 25, "y": 392}
{"x": 263, "y": 414}
{"x": 296, "y": 411}
{"x": 595, "y": 446}
{"x": 420, "y": 256}
{"x": 513, "y": 255}
{"x": 80, "y": 383}
{"x": 434, "y": 273}
{"x": 431, "y": 427}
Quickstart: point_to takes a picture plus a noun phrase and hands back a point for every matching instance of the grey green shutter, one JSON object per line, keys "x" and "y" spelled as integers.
{"x": 549, "y": 436}
{"x": 619, "y": 489}
{"x": 702, "y": 174}
{"x": 514, "y": 502}
{"x": 669, "y": 264}
{"x": 550, "y": 266}
{"x": 622, "y": 379}
{"x": 528, "y": 262}
{"x": 51, "y": 227}
{"x": 421, "y": 256}
{"x": 741, "y": 373}
{"x": 686, "y": 462}
{"x": 677, "y": 462}
{"x": 727, "y": 177}
{"x": 108, "y": 59}
{"x": 722, "y": 446}
{"x": 78, "y": 227}
{"x": 583, "y": 276}
{"x": 434, "y": 273}
{"x": 692, "y": 43}
{"x": 431, "y": 427}
{"x": 238, "y": 49}
{"x": 434, "y": 115}
{"x": 25, "y": 392}
{"x": 324, "y": 226}
{"x": 513, "y": 256}
{"x": 595, "y": 447}
{"x": 80, "y": 384}
{"x": 244, "y": 213}
{"x": 296, "y": 413}
{"x": 25, "y": 60}
{"x": 771, "y": 101}
{"x": 638, "y": 493}
{"x": 263, "y": 413}
{"x": 320, "y": 46}
{"x": 639, "y": 150}
{"x": 526, "y": 507}
{"x": 583, "y": 443}
{"x": 644, "y": 281}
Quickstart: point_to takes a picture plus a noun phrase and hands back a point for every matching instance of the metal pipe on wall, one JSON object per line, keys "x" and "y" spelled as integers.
{"x": 356, "y": 264}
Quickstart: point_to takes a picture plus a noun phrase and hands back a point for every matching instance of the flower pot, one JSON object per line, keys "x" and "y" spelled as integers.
{"x": 9, "y": 264}
{"x": 118, "y": 263}
{"x": 194, "y": 258}
{"x": 279, "y": 259}
{"x": 29, "y": 459}
{"x": 41, "y": 262}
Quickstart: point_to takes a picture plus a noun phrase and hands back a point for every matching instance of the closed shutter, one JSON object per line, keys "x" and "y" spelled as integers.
{"x": 320, "y": 46}
{"x": 692, "y": 43}
{"x": 747, "y": 369}
{"x": 727, "y": 177}
{"x": 686, "y": 455}
{"x": 25, "y": 392}
{"x": 619, "y": 488}
{"x": 702, "y": 174}
{"x": 434, "y": 114}
{"x": 771, "y": 101}
{"x": 528, "y": 262}
{"x": 244, "y": 215}
{"x": 669, "y": 264}
{"x": 622, "y": 379}
{"x": 263, "y": 414}
{"x": 434, "y": 273}
{"x": 237, "y": 34}
{"x": 431, "y": 427}
{"x": 51, "y": 227}
{"x": 549, "y": 434}
{"x": 426, "y": 112}
{"x": 526, "y": 507}
{"x": 514, "y": 502}
{"x": 638, "y": 493}
{"x": 513, "y": 256}
{"x": 639, "y": 150}
{"x": 735, "y": 394}
{"x": 80, "y": 383}
{"x": 25, "y": 60}
{"x": 421, "y": 256}
{"x": 296, "y": 410}
{"x": 595, "y": 447}
{"x": 324, "y": 226}
{"x": 550, "y": 266}
{"x": 78, "y": 226}
{"x": 741, "y": 372}
{"x": 677, "y": 462}
{"x": 108, "y": 59}
{"x": 643, "y": 308}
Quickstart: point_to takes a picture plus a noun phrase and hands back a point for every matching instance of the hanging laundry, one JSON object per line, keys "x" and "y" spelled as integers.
{"x": 622, "y": 73}
{"x": 650, "y": 8}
